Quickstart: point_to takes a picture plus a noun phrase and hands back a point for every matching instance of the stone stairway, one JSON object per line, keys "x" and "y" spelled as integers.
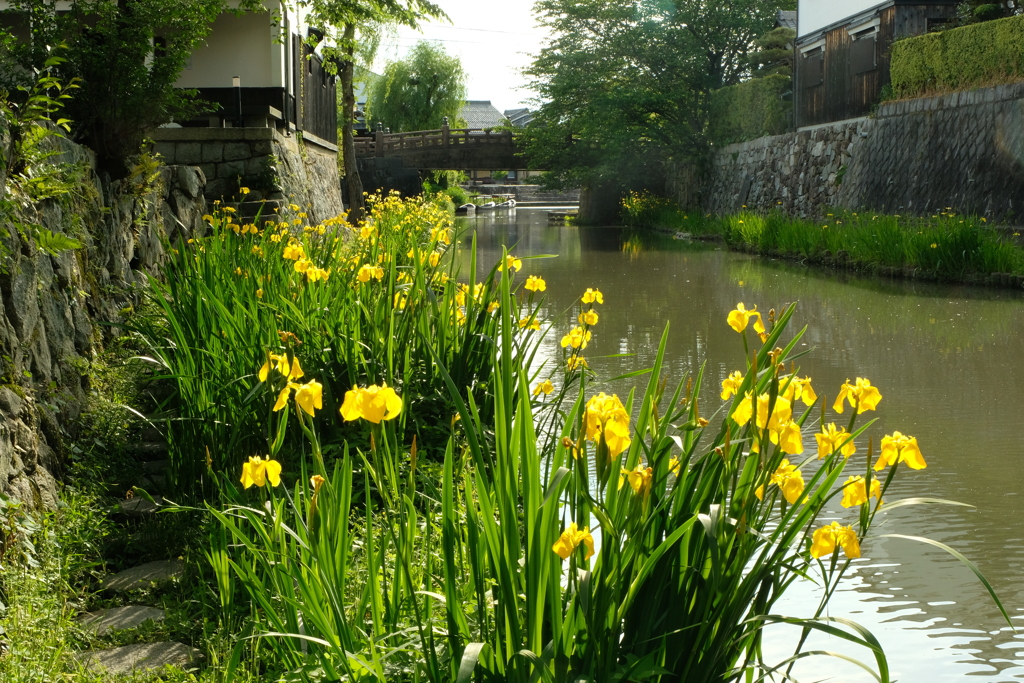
{"x": 151, "y": 452}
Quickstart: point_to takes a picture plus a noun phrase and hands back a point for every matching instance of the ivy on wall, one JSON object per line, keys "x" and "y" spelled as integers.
{"x": 959, "y": 59}
{"x": 750, "y": 110}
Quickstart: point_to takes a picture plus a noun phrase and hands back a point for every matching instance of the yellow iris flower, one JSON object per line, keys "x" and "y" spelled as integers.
{"x": 856, "y": 493}
{"x": 577, "y": 338}
{"x": 861, "y": 396}
{"x": 800, "y": 390}
{"x": 731, "y": 384}
{"x": 606, "y": 418}
{"x": 530, "y": 323}
{"x": 593, "y": 296}
{"x": 639, "y": 479}
{"x": 589, "y": 317}
{"x": 832, "y": 438}
{"x": 576, "y": 363}
{"x": 545, "y": 387}
{"x": 740, "y": 317}
{"x": 367, "y": 271}
{"x": 294, "y": 252}
{"x": 291, "y": 370}
{"x": 571, "y": 539}
{"x": 535, "y": 284}
{"x": 789, "y": 480}
{"x": 899, "y": 448}
{"x": 512, "y": 263}
{"x": 828, "y": 537}
{"x": 308, "y": 396}
{"x": 374, "y": 403}
{"x": 259, "y": 471}
{"x": 788, "y": 436}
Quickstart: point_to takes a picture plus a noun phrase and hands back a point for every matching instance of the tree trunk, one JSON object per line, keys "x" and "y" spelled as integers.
{"x": 353, "y": 183}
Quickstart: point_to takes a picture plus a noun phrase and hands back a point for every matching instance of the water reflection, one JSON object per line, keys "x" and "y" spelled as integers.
{"x": 946, "y": 361}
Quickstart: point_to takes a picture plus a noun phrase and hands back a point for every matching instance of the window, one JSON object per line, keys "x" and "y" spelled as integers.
{"x": 862, "y": 52}
{"x": 814, "y": 68}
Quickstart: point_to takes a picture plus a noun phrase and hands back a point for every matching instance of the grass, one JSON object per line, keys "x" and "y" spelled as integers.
{"x": 944, "y": 246}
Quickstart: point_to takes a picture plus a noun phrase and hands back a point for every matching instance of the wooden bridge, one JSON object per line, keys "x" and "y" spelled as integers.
{"x": 446, "y": 149}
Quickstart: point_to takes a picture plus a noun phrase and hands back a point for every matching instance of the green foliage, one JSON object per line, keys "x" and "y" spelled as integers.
{"x": 959, "y": 59}
{"x": 418, "y": 92}
{"x": 750, "y": 110}
{"x": 774, "y": 54}
{"x": 624, "y": 85}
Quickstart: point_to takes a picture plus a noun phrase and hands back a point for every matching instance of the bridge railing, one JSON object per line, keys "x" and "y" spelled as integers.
{"x": 387, "y": 144}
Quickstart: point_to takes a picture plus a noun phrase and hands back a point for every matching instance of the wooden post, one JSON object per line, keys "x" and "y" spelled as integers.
{"x": 445, "y": 133}
{"x": 378, "y": 139}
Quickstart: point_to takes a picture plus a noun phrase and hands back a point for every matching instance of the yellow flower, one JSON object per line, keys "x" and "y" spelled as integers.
{"x": 789, "y": 480}
{"x": 493, "y": 306}
{"x": 639, "y": 479}
{"x": 244, "y": 190}
{"x": 259, "y": 293}
{"x": 606, "y": 418}
{"x": 800, "y": 390}
{"x": 740, "y": 317}
{"x": 529, "y": 323}
{"x": 434, "y": 259}
{"x": 512, "y": 263}
{"x": 589, "y": 317}
{"x": 294, "y": 251}
{"x": 731, "y": 385}
{"x": 276, "y": 237}
{"x": 571, "y": 539}
{"x": 545, "y": 387}
{"x": 577, "y": 338}
{"x": 674, "y": 466}
{"x": 855, "y": 492}
{"x": 314, "y": 274}
{"x": 366, "y": 232}
{"x": 316, "y": 481}
{"x": 280, "y": 362}
{"x": 593, "y": 295}
{"x": 374, "y": 403}
{"x": 827, "y": 537}
{"x": 831, "y": 438}
{"x": 788, "y": 436}
{"x": 367, "y": 271}
{"x": 577, "y": 362}
{"x": 535, "y": 284}
{"x": 259, "y": 471}
{"x": 861, "y": 396}
{"x": 308, "y": 396}
{"x": 400, "y": 301}
{"x": 303, "y": 265}
{"x": 899, "y": 448}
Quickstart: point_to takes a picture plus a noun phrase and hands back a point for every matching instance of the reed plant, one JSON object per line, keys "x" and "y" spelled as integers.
{"x": 347, "y": 303}
{"x": 571, "y": 536}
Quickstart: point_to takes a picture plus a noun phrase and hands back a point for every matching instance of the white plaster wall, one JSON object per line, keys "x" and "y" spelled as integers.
{"x": 240, "y": 46}
{"x": 814, "y": 15}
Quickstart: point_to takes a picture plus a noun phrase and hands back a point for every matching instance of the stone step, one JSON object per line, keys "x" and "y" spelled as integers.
{"x": 103, "y": 621}
{"x": 151, "y": 450}
{"x": 139, "y": 506}
{"x": 144, "y": 576}
{"x": 154, "y": 466}
{"x": 141, "y": 657}
{"x": 152, "y": 433}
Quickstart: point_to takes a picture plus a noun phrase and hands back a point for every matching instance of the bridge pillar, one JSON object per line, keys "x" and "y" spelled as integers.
{"x": 445, "y": 133}
{"x": 378, "y": 139}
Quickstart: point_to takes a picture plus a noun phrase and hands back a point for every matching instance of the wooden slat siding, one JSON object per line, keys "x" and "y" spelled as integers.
{"x": 298, "y": 77}
{"x": 320, "y": 100}
{"x": 837, "y": 75}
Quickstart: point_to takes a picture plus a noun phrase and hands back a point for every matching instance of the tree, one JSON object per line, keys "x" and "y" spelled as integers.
{"x": 341, "y": 21}
{"x": 420, "y": 91}
{"x": 623, "y": 85}
{"x": 127, "y": 56}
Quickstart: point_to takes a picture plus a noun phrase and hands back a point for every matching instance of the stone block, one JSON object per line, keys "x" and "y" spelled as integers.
{"x": 213, "y": 152}
{"x": 140, "y": 657}
{"x": 209, "y": 171}
{"x": 145, "y": 576}
{"x": 191, "y": 180}
{"x": 230, "y": 170}
{"x": 189, "y": 153}
{"x": 165, "y": 150}
{"x": 256, "y": 165}
{"x": 216, "y": 189}
{"x": 235, "y": 151}
{"x": 119, "y": 618}
{"x": 261, "y": 147}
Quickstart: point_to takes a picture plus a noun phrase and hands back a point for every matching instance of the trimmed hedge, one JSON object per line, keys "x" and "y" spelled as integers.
{"x": 750, "y": 110}
{"x": 959, "y": 59}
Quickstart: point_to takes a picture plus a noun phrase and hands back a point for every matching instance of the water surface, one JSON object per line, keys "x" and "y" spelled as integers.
{"x": 949, "y": 362}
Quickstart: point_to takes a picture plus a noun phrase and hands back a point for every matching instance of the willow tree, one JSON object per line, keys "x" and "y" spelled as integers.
{"x": 342, "y": 21}
{"x": 420, "y": 91}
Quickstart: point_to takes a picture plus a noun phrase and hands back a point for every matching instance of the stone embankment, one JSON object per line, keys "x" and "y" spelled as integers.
{"x": 56, "y": 311}
{"x": 963, "y": 150}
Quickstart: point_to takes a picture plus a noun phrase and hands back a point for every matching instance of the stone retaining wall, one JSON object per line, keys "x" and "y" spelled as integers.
{"x": 51, "y": 307}
{"x": 273, "y": 166}
{"x": 963, "y": 150}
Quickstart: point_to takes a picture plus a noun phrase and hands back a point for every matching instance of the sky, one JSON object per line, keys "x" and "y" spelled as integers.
{"x": 495, "y": 42}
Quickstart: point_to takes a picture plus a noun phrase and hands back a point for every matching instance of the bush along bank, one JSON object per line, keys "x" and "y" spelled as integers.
{"x": 945, "y": 247}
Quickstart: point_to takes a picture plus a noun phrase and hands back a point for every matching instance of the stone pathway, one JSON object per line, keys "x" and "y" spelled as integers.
{"x": 139, "y": 657}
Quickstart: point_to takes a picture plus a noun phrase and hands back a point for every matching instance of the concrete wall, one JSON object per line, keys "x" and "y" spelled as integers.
{"x": 237, "y": 46}
{"x": 963, "y": 150}
{"x": 273, "y": 166}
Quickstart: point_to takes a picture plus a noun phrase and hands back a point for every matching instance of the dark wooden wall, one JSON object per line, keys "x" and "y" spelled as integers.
{"x": 317, "y": 110}
{"x": 848, "y": 88}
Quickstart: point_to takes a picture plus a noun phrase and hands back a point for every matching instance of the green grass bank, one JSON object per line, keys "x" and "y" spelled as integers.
{"x": 946, "y": 246}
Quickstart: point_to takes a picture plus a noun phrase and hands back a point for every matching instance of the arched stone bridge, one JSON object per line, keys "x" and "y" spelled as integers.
{"x": 447, "y": 149}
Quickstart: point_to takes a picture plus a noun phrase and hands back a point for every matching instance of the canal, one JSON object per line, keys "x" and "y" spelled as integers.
{"x": 949, "y": 364}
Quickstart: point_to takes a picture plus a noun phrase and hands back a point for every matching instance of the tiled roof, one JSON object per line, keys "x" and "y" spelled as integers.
{"x": 481, "y": 114}
{"x": 785, "y": 19}
{"x": 519, "y": 117}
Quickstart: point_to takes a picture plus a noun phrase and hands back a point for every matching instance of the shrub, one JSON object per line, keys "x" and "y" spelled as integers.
{"x": 959, "y": 59}
{"x": 750, "y": 110}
